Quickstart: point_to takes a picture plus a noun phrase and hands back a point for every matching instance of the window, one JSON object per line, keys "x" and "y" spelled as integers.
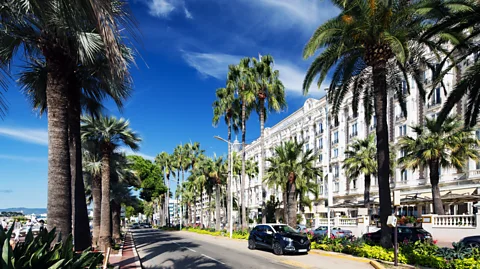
{"x": 335, "y": 153}
{"x": 354, "y": 183}
{"x": 403, "y": 175}
{"x": 335, "y": 137}
{"x": 307, "y": 146}
{"x": 320, "y": 143}
{"x": 436, "y": 96}
{"x": 336, "y": 171}
{"x": 335, "y": 121}
{"x": 402, "y": 130}
{"x": 477, "y": 165}
{"x": 404, "y": 87}
{"x": 477, "y": 134}
{"x": 320, "y": 127}
{"x": 354, "y": 130}
{"x": 320, "y": 157}
{"x": 336, "y": 187}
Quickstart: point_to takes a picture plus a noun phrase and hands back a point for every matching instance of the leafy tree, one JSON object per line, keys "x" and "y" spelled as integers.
{"x": 451, "y": 146}
{"x": 272, "y": 206}
{"x": 108, "y": 133}
{"x": 148, "y": 209}
{"x": 151, "y": 177}
{"x": 293, "y": 170}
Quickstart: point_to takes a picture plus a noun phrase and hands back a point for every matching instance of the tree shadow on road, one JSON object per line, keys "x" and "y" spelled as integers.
{"x": 188, "y": 263}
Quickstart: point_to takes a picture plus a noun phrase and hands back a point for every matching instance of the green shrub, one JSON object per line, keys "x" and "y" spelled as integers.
{"x": 40, "y": 252}
{"x": 469, "y": 263}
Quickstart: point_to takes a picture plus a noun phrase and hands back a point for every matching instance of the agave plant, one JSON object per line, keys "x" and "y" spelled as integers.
{"x": 41, "y": 252}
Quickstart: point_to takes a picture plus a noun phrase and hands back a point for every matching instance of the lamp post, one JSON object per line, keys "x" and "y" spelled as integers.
{"x": 230, "y": 182}
{"x": 329, "y": 180}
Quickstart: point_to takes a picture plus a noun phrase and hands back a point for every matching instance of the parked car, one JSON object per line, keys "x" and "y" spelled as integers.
{"x": 410, "y": 234}
{"x": 471, "y": 241}
{"x": 135, "y": 226}
{"x": 280, "y": 238}
{"x": 335, "y": 232}
{"x": 302, "y": 229}
{"x": 145, "y": 225}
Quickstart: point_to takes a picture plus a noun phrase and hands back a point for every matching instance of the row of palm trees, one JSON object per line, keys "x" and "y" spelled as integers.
{"x": 253, "y": 84}
{"x": 369, "y": 43}
{"x": 74, "y": 57}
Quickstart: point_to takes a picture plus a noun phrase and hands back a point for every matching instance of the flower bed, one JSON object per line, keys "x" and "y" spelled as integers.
{"x": 424, "y": 254}
{"x": 236, "y": 234}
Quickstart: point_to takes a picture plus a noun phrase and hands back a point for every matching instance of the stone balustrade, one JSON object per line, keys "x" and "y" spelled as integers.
{"x": 456, "y": 221}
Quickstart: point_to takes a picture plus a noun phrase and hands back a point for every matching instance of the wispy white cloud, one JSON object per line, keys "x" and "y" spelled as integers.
{"x": 6, "y": 191}
{"x": 22, "y": 158}
{"x": 164, "y": 8}
{"x": 215, "y": 65}
{"x": 35, "y": 136}
{"x": 304, "y": 14}
{"x": 131, "y": 152}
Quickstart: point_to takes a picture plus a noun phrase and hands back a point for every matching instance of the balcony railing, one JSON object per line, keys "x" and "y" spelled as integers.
{"x": 467, "y": 221}
{"x": 400, "y": 117}
{"x": 474, "y": 173}
{"x": 352, "y": 135}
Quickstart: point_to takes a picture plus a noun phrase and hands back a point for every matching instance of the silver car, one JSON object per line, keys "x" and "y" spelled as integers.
{"x": 335, "y": 232}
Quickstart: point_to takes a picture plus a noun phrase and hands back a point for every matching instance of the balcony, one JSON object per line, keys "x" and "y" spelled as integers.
{"x": 352, "y": 117}
{"x": 400, "y": 118}
{"x": 334, "y": 142}
{"x": 434, "y": 104}
{"x": 353, "y": 134}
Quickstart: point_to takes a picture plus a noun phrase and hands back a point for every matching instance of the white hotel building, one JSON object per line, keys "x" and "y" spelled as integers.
{"x": 309, "y": 124}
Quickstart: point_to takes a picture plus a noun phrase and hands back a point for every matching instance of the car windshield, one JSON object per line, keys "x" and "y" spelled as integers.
{"x": 283, "y": 229}
{"x": 420, "y": 230}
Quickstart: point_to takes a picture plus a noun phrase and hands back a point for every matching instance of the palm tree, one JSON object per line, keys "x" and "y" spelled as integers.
{"x": 360, "y": 158}
{"x": 251, "y": 171}
{"x": 451, "y": 146}
{"x": 181, "y": 154}
{"x": 62, "y": 35}
{"x": 270, "y": 97}
{"x": 228, "y": 106}
{"x": 165, "y": 161}
{"x": 293, "y": 170}
{"x": 93, "y": 83}
{"x": 366, "y": 35}
{"x": 241, "y": 78}
{"x": 109, "y": 133}
{"x": 218, "y": 173}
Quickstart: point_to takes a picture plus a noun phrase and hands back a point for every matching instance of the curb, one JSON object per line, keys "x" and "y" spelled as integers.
{"x": 373, "y": 263}
{"x": 138, "y": 263}
{"x": 376, "y": 265}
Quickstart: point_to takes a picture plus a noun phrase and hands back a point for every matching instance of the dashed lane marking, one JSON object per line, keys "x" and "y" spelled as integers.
{"x": 183, "y": 246}
{"x": 212, "y": 259}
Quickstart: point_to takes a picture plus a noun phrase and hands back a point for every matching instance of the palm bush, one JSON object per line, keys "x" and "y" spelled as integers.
{"x": 42, "y": 252}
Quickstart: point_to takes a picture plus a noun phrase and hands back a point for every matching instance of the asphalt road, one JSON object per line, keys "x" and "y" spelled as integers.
{"x": 172, "y": 250}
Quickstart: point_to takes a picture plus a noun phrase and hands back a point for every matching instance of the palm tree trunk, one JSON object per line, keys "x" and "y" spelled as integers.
{"x": 285, "y": 204}
{"x": 105, "y": 232}
{"x": 168, "y": 201}
{"x": 366, "y": 192}
{"x": 229, "y": 184}
{"x": 97, "y": 203}
{"x": 383, "y": 154}
{"x": 242, "y": 180}
{"x": 217, "y": 207}
{"x": 434, "y": 180}
{"x": 59, "y": 203}
{"x": 292, "y": 205}
{"x": 79, "y": 202}
{"x": 262, "y": 159}
{"x": 116, "y": 222}
{"x": 201, "y": 207}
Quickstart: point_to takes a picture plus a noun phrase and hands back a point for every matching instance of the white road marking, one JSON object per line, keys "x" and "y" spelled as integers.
{"x": 184, "y": 247}
{"x": 212, "y": 259}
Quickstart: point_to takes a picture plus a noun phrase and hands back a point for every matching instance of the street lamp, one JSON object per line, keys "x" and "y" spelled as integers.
{"x": 230, "y": 148}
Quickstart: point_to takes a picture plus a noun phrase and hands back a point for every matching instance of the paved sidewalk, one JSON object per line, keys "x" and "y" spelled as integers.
{"x": 128, "y": 260}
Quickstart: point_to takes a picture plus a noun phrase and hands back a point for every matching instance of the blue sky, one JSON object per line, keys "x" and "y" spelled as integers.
{"x": 186, "y": 47}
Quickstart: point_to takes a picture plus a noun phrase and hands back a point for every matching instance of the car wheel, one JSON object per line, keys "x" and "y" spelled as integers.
{"x": 251, "y": 244}
{"x": 277, "y": 249}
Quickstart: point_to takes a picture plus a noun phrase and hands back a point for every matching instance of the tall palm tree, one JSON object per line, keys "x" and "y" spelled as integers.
{"x": 218, "y": 178}
{"x": 62, "y": 34}
{"x": 251, "y": 171}
{"x": 228, "y": 106}
{"x": 109, "y": 133}
{"x": 360, "y": 158}
{"x": 270, "y": 97}
{"x": 293, "y": 170}
{"x": 451, "y": 146}
{"x": 241, "y": 78}
{"x": 165, "y": 161}
{"x": 366, "y": 35}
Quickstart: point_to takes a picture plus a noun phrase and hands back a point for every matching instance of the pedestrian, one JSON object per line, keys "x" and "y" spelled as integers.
{"x": 42, "y": 224}
{"x": 4, "y": 224}
{"x": 29, "y": 225}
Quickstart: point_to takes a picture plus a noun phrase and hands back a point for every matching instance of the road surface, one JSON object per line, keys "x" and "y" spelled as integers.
{"x": 171, "y": 250}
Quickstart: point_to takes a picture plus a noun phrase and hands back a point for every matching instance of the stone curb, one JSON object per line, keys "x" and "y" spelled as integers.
{"x": 376, "y": 265}
{"x": 138, "y": 263}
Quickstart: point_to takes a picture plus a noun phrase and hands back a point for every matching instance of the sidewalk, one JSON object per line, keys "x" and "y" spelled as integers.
{"x": 129, "y": 259}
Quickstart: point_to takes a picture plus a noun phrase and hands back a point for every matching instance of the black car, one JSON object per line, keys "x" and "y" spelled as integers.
{"x": 280, "y": 238}
{"x": 405, "y": 234}
{"x": 471, "y": 241}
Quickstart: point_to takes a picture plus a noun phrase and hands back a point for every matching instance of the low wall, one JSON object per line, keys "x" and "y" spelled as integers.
{"x": 451, "y": 228}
